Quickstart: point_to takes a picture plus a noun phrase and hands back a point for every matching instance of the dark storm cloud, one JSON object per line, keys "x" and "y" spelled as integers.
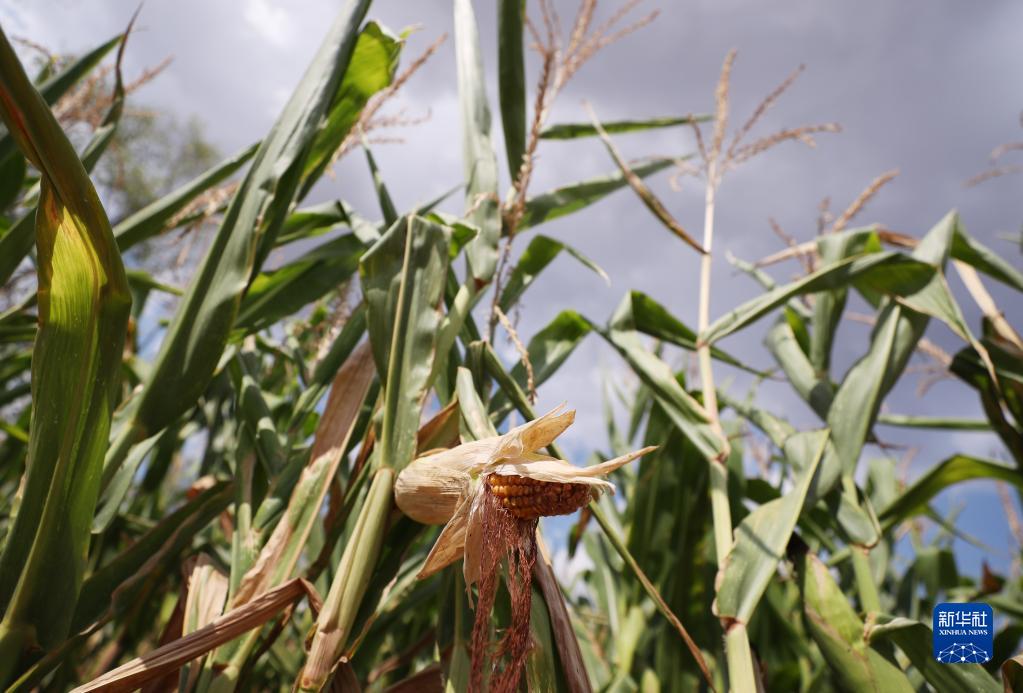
{"x": 926, "y": 87}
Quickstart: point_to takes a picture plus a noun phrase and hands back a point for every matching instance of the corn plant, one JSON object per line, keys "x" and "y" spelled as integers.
{"x": 313, "y": 482}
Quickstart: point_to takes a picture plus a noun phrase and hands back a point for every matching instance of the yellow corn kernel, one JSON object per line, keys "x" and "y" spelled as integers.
{"x": 529, "y": 499}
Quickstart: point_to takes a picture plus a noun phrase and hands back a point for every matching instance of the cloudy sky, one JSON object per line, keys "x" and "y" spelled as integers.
{"x": 924, "y": 86}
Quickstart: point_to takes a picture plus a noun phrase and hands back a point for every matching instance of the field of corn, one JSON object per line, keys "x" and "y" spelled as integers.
{"x": 328, "y": 471}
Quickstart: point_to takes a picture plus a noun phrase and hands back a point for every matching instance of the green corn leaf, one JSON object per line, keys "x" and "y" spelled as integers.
{"x": 198, "y": 332}
{"x": 402, "y": 308}
{"x": 280, "y": 554}
{"x": 683, "y": 409}
{"x": 511, "y": 77}
{"x": 651, "y": 318}
{"x": 282, "y": 550}
{"x": 18, "y": 327}
{"x": 314, "y": 220}
{"x": 542, "y": 662}
{"x": 838, "y": 632}
{"x": 541, "y": 251}
{"x": 968, "y": 249}
{"x": 353, "y": 577}
{"x": 12, "y": 180}
{"x": 153, "y": 219}
{"x": 116, "y": 584}
{"x": 417, "y": 317}
{"x": 387, "y": 208}
{"x": 277, "y": 294}
{"x": 17, "y": 242}
{"x": 895, "y": 336}
{"x": 914, "y": 639}
{"x": 858, "y": 399}
{"x": 121, "y": 482}
{"x": 837, "y": 275}
{"x": 571, "y": 198}
{"x": 767, "y": 281}
{"x": 477, "y": 148}
{"x": 548, "y": 350}
{"x": 401, "y": 268}
{"x": 255, "y": 416}
{"x": 325, "y": 368}
{"x": 370, "y": 70}
{"x": 916, "y": 281}
{"x": 615, "y": 540}
{"x": 59, "y": 84}
{"x": 828, "y": 305}
{"x": 474, "y": 412}
{"x": 113, "y": 590}
{"x": 571, "y": 131}
{"x": 937, "y": 422}
{"x": 84, "y": 303}
{"x": 760, "y": 541}
{"x": 949, "y": 472}
{"x": 782, "y": 343}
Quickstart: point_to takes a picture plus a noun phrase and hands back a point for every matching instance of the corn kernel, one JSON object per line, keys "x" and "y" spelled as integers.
{"x": 529, "y": 499}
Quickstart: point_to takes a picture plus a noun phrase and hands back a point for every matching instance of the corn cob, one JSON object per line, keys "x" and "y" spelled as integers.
{"x": 529, "y": 499}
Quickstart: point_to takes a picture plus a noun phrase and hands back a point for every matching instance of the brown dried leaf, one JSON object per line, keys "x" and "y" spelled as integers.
{"x": 137, "y": 672}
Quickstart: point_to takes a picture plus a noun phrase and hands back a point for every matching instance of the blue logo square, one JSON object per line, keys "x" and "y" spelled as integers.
{"x": 963, "y": 633}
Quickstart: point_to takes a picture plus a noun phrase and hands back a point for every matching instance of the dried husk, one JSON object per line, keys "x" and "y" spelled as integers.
{"x": 429, "y": 489}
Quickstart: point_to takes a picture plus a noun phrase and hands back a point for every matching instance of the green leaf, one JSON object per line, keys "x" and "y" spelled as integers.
{"x": 153, "y": 219}
{"x": 782, "y": 344}
{"x": 648, "y": 587}
{"x": 760, "y": 541}
{"x": 651, "y": 318}
{"x": 859, "y": 397}
{"x": 938, "y": 422}
{"x": 354, "y": 574}
{"x": 281, "y": 552}
{"x": 118, "y": 581}
{"x": 541, "y": 251}
{"x": 511, "y": 77}
{"x": 403, "y": 278}
{"x": 387, "y": 209}
{"x": 914, "y": 639}
{"x": 683, "y": 409}
{"x": 838, "y": 632}
{"x": 548, "y": 350}
{"x": 315, "y": 220}
{"x": 472, "y": 409}
{"x": 870, "y": 269}
{"x": 17, "y": 242}
{"x": 571, "y": 198}
{"x": 571, "y": 131}
{"x": 828, "y": 305}
{"x": 949, "y": 472}
{"x": 327, "y": 366}
{"x": 84, "y": 304}
{"x": 12, "y": 178}
{"x": 477, "y": 148}
{"x": 276, "y": 294}
{"x": 968, "y": 249}
{"x": 198, "y": 332}
{"x": 895, "y": 336}
{"x": 59, "y": 84}
{"x": 370, "y": 70}
{"x": 767, "y": 281}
